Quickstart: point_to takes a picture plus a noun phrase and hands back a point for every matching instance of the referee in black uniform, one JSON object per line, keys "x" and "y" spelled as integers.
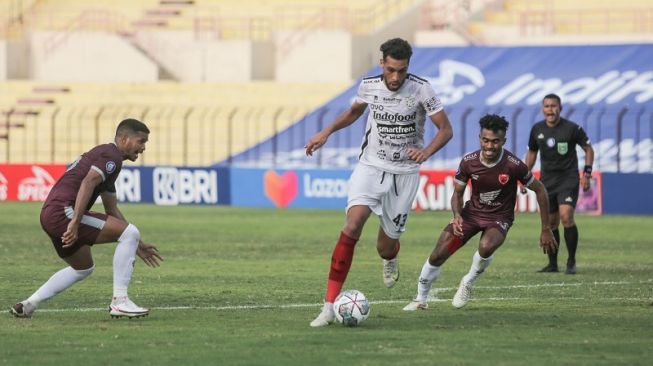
{"x": 556, "y": 139}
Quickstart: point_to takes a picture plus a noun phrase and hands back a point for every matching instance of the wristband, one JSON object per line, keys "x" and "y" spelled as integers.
{"x": 588, "y": 170}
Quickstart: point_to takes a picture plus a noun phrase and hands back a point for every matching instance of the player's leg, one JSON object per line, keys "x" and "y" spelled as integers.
{"x": 396, "y": 205}
{"x": 341, "y": 260}
{"x": 124, "y": 258}
{"x": 447, "y": 245}
{"x": 492, "y": 238}
{"x": 388, "y": 249}
{"x": 554, "y": 222}
{"x": 571, "y": 236}
{"x": 80, "y": 267}
{"x": 365, "y": 189}
{"x": 54, "y": 221}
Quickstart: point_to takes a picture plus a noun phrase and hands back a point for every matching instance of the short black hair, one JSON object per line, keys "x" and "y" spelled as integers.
{"x": 397, "y": 48}
{"x": 131, "y": 125}
{"x": 494, "y": 122}
{"x": 553, "y": 96}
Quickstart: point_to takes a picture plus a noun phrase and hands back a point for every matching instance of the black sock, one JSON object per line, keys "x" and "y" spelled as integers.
{"x": 553, "y": 257}
{"x": 571, "y": 239}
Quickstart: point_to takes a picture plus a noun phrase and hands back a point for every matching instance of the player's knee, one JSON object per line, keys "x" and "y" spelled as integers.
{"x": 83, "y": 273}
{"x": 131, "y": 233}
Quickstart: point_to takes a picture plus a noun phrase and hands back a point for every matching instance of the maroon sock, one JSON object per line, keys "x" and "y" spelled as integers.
{"x": 341, "y": 260}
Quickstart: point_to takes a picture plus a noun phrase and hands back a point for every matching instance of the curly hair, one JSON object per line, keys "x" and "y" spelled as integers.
{"x": 397, "y": 48}
{"x": 494, "y": 122}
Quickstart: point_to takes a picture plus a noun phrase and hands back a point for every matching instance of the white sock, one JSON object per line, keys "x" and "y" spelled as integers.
{"x": 123, "y": 260}
{"x": 59, "y": 281}
{"x": 426, "y": 277}
{"x": 479, "y": 264}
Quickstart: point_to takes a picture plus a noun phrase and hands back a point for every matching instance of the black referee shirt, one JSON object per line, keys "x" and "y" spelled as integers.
{"x": 557, "y": 146}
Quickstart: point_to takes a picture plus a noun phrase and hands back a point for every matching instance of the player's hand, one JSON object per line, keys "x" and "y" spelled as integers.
{"x": 316, "y": 142}
{"x": 522, "y": 189}
{"x": 149, "y": 254}
{"x": 548, "y": 242}
{"x": 457, "y": 225}
{"x": 417, "y": 155}
{"x": 585, "y": 182}
{"x": 70, "y": 236}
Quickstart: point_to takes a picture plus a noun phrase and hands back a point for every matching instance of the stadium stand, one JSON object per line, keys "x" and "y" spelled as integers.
{"x": 192, "y": 124}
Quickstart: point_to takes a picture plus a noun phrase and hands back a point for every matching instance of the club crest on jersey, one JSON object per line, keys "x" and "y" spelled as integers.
{"x": 563, "y": 147}
{"x": 111, "y": 166}
{"x": 504, "y": 178}
{"x": 410, "y": 102}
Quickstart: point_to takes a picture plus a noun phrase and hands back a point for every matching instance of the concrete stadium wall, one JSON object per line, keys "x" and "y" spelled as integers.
{"x": 316, "y": 56}
{"x": 88, "y": 56}
{"x": 3, "y": 60}
{"x": 191, "y": 60}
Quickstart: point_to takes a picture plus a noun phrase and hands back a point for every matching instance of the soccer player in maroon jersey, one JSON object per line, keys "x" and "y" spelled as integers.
{"x": 73, "y": 228}
{"x": 494, "y": 173}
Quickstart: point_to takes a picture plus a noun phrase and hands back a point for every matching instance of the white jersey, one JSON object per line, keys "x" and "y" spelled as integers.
{"x": 395, "y": 121}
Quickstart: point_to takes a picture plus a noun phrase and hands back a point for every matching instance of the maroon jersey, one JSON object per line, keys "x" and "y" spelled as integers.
{"x": 105, "y": 159}
{"x": 494, "y": 188}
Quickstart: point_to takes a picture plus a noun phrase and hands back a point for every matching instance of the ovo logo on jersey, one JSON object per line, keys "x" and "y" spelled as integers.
{"x": 280, "y": 189}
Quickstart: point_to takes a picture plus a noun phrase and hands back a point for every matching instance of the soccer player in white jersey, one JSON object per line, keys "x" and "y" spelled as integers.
{"x": 386, "y": 179}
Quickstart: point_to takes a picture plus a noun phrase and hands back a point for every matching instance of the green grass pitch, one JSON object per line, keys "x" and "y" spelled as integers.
{"x": 239, "y": 287}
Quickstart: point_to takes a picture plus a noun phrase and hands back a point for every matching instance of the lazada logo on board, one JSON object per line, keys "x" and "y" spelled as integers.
{"x": 280, "y": 189}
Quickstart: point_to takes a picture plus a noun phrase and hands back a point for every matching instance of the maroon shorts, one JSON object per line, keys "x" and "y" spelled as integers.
{"x": 55, "y": 219}
{"x": 473, "y": 224}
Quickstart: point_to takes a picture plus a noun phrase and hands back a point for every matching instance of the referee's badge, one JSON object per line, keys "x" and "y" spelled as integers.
{"x": 563, "y": 147}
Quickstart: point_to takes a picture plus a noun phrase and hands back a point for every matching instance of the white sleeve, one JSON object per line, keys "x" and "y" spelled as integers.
{"x": 361, "y": 94}
{"x": 429, "y": 100}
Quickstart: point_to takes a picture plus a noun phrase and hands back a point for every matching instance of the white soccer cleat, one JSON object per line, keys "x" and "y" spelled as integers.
{"x": 463, "y": 295}
{"x": 416, "y": 305}
{"x": 326, "y": 317}
{"x": 390, "y": 272}
{"x": 23, "y": 309}
{"x": 122, "y": 306}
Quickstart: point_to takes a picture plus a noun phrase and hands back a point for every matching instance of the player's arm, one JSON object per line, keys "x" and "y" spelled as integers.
{"x": 445, "y": 133}
{"x": 90, "y": 181}
{"x": 529, "y": 160}
{"x": 547, "y": 241}
{"x": 147, "y": 252}
{"x": 457, "y": 208}
{"x": 345, "y": 119}
{"x": 587, "y": 170}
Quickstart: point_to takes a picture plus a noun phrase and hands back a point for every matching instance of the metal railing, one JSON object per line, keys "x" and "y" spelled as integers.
{"x": 204, "y": 135}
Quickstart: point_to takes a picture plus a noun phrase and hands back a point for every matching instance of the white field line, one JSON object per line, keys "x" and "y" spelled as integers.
{"x": 430, "y": 299}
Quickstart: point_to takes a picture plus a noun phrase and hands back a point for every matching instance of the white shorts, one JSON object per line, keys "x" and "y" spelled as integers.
{"x": 389, "y": 196}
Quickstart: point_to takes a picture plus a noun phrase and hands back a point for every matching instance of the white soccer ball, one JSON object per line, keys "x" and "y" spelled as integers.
{"x": 351, "y": 308}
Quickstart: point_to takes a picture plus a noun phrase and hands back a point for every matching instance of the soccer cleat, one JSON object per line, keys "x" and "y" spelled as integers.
{"x": 550, "y": 268}
{"x": 23, "y": 309}
{"x": 390, "y": 272}
{"x": 122, "y": 306}
{"x": 416, "y": 305}
{"x": 571, "y": 267}
{"x": 463, "y": 295}
{"x": 326, "y": 317}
